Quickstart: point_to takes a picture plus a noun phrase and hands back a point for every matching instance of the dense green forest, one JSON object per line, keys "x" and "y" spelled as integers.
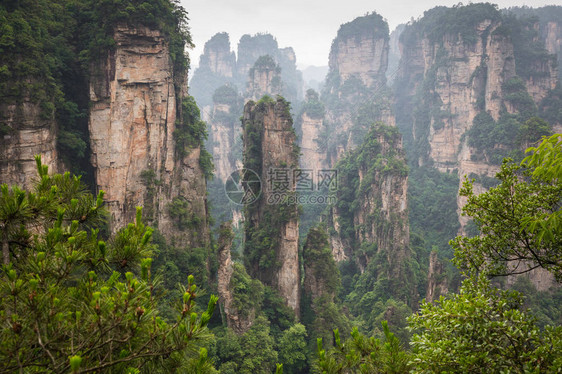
{"x": 79, "y": 296}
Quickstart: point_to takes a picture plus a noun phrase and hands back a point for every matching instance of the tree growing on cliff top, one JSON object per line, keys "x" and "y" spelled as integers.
{"x": 72, "y": 302}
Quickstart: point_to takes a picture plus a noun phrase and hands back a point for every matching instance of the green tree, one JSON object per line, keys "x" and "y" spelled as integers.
{"x": 482, "y": 329}
{"x": 503, "y": 215}
{"x": 546, "y": 160}
{"x": 259, "y": 349}
{"x": 361, "y": 354}
{"x": 71, "y": 302}
{"x": 292, "y": 349}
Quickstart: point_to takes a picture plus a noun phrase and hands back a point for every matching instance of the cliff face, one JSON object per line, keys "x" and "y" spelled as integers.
{"x": 223, "y": 136}
{"x": 553, "y": 38}
{"x": 356, "y": 95}
{"x": 135, "y": 99}
{"x": 436, "y": 280}
{"x": 264, "y": 78}
{"x": 470, "y": 78}
{"x": 546, "y": 21}
{"x": 217, "y": 67}
{"x": 272, "y": 226}
{"x": 363, "y": 55}
{"x": 225, "y": 131}
{"x": 462, "y": 85}
{"x": 217, "y": 56}
{"x": 394, "y": 53}
{"x": 464, "y": 77}
{"x": 238, "y": 319}
{"x": 312, "y": 156}
{"x": 371, "y": 217}
{"x": 543, "y": 79}
{"x": 30, "y": 89}
{"x": 383, "y": 217}
{"x": 224, "y": 274}
{"x": 321, "y": 275}
{"x": 24, "y": 133}
{"x": 465, "y": 72}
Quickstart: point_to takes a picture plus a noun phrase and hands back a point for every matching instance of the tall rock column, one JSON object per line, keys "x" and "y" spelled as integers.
{"x": 136, "y": 101}
{"x": 355, "y": 94}
{"x": 264, "y": 78}
{"x": 310, "y": 127}
{"x": 239, "y": 316}
{"x": 372, "y": 201}
{"x": 225, "y": 133}
{"x": 217, "y": 66}
{"x": 272, "y": 226}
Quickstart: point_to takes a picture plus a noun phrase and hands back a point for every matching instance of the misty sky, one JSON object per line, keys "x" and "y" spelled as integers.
{"x": 309, "y": 26}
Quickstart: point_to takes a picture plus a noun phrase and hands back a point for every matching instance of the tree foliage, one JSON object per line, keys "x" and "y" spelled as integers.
{"x": 508, "y": 217}
{"x": 481, "y": 329}
{"x": 73, "y": 302}
{"x": 362, "y": 354}
{"x": 251, "y": 352}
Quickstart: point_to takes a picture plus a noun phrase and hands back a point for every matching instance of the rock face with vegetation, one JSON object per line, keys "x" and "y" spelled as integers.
{"x": 251, "y": 48}
{"x": 472, "y": 82}
{"x": 436, "y": 279}
{"x": 361, "y": 50}
{"x": 109, "y": 102}
{"x": 547, "y": 21}
{"x": 231, "y": 279}
{"x": 455, "y": 67}
{"x": 271, "y": 224}
{"x": 146, "y": 149}
{"x": 481, "y": 69}
{"x": 217, "y": 56}
{"x": 29, "y": 91}
{"x": 321, "y": 275}
{"x": 264, "y": 78}
{"x": 355, "y": 94}
{"x": 370, "y": 218}
{"x": 355, "y": 97}
{"x": 217, "y": 66}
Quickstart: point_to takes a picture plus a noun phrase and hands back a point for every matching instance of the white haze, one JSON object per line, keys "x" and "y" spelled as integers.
{"x": 306, "y": 25}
